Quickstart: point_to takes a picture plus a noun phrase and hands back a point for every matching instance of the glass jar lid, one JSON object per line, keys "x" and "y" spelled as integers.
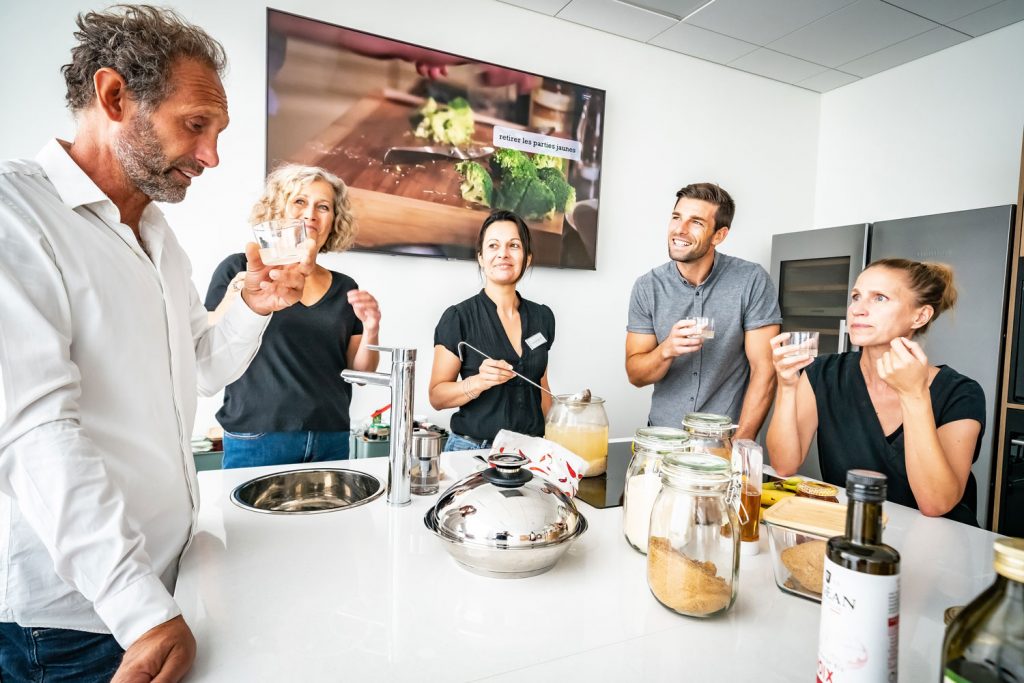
{"x": 661, "y": 440}
{"x": 696, "y": 472}
{"x": 709, "y": 424}
{"x": 506, "y": 507}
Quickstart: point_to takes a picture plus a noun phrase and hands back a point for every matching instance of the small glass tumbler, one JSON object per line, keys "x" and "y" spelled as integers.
{"x": 280, "y": 240}
{"x": 707, "y": 327}
{"x": 805, "y": 344}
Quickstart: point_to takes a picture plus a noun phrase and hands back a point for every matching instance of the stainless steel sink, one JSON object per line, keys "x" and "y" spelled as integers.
{"x": 303, "y": 492}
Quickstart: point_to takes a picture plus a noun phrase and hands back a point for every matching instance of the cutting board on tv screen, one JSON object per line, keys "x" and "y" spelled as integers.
{"x": 416, "y": 202}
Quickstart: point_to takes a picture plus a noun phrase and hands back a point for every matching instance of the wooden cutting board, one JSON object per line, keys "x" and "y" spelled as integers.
{"x": 410, "y": 203}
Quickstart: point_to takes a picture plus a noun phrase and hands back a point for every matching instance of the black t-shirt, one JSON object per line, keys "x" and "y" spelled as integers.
{"x": 850, "y": 435}
{"x": 515, "y": 404}
{"x": 294, "y": 381}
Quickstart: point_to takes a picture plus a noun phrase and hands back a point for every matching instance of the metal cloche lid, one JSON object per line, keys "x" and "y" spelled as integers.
{"x": 709, "y": 423}
{"x": 506, "y": 507}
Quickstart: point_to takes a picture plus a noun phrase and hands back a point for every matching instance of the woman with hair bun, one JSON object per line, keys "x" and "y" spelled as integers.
{"x": 291, "y": 405}
{"x": 885, "y": 407}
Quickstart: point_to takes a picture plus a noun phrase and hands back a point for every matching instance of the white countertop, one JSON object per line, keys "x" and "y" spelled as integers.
{"x": 368, "y": 594}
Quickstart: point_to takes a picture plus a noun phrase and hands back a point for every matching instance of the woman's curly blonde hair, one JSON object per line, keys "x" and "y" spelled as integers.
{"x": 284, "y": 181}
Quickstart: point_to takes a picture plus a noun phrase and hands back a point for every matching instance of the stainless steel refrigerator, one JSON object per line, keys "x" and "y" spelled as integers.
{"x": 814, "y": 270}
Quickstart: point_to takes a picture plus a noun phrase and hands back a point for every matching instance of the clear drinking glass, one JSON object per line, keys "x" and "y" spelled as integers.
{"x": 805, "y": 343}
{"x": 707, "y": 326}
{"x": 280, "y": 240}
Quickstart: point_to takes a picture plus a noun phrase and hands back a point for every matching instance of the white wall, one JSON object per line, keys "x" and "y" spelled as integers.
{"x": 939, "y": 134}
{"x": 670, "y": 120}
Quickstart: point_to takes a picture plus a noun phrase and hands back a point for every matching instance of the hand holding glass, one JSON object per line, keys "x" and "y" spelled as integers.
{"x": 280, "y": 240}
{"x": 804, "y": 345}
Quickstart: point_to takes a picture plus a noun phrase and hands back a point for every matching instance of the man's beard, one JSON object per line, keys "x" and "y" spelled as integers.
{"x": 146, "y": 166}
{"x": 690, "y": 256}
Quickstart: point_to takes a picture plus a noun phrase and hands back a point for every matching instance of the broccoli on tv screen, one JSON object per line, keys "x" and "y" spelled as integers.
{"x": 430, "y": 142}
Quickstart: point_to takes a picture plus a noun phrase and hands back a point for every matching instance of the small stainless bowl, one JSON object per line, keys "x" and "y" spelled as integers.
{"x": 304, "y": 492}
{"x": 505, "y": 523}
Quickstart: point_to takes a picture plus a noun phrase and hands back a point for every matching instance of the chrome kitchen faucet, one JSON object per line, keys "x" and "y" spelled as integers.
{"x": 402, "y": 381}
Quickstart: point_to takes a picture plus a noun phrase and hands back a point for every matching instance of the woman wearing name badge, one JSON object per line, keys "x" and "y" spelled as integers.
{"x": 291, "y": 405}
{"x": 885, "y": 407}
{"x": 515, "y": 332}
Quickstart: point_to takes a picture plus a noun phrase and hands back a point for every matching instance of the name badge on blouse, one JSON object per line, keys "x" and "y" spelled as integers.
{"x": 535, "y": 341}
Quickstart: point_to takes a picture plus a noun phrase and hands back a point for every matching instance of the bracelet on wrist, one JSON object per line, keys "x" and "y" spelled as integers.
{"x": 469, "y": 394}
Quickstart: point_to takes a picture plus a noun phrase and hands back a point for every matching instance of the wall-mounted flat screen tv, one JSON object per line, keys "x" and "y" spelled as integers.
{"x": 430, "y": 142}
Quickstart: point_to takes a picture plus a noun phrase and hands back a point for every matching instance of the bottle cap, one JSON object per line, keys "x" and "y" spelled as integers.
{"x": 748, "y": 548}
{"x": 1009, "y": 558}
{"x": 865, "y": 486}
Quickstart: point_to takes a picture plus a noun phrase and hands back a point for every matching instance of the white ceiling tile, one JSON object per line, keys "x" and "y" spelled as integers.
{"x": 616, "y": 17}
{"x": 989, "y": 19}
{"x": 678, "y": 8}
{"x": 910, "y": 49}
{"x": 765, "y": 62}
{"x": 761, "y": 21}
{"x": 851, "y": 32}
{"x": 942, "y": 11}
{"x": 551, "y": 7}
{"x": 698, "y": 42}
{"x": 828, "y": 80}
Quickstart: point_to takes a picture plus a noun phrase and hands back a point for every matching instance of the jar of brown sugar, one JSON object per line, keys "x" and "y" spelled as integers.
{"x": 693, "y": 548}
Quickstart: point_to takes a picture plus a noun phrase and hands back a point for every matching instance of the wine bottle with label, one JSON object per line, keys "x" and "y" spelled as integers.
{"x": 985, "y": 642}
{"x": 860, "y": 601}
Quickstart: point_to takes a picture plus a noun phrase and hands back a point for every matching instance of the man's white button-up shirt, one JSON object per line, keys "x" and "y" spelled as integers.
{"x": 103, "y": 349}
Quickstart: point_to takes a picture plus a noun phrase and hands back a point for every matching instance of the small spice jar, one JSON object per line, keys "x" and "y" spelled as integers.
{"x": 710, "y": 433}
{"x": 643, "y": 479}
{"x": 693, "y": 553}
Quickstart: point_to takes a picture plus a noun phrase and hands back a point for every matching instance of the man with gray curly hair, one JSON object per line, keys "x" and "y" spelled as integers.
{"x": 104, "y": 346}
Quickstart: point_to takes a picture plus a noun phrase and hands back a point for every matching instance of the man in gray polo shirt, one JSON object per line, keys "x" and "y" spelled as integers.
{"x": 730, "y": 374}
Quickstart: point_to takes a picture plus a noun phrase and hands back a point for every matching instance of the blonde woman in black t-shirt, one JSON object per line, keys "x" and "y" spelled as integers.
{"x": 885, "y": 407}
{"x": 291, "y": 405}
{"x": 516, "y": 333}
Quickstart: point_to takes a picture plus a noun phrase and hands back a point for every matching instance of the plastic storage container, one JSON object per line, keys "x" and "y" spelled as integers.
{"x": 797, "y": 531}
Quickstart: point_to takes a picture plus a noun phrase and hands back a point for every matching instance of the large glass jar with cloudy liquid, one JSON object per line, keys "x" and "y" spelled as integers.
{"x": 710, "y": 433}
{"x": 693, "y": 549}
{"x": 582, "y": 427}
{"x": 643, "y": 479}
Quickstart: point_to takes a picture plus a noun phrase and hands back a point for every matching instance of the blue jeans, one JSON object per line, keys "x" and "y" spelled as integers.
{"x": 245, "y": 449}
{"x": 457, "y": 442}
{"x": 56, "y": 655}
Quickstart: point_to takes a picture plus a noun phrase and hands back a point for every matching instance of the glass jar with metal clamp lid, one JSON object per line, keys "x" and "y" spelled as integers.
{"x": 694, "y": 546}
{"x": 710, "y": 433}
{"x": 643, "y": 479}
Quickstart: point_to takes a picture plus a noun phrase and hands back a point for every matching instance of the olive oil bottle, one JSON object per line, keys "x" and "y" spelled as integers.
{"x": 985, "y": 642}
{"x": 860, "y": 601}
